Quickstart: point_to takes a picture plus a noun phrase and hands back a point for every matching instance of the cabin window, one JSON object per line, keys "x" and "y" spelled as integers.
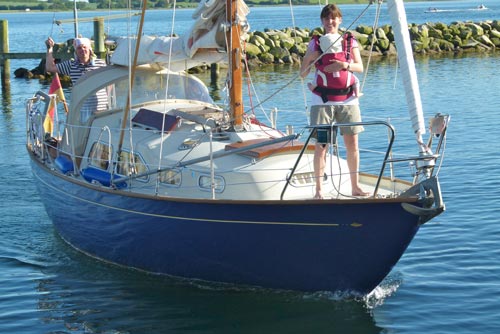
{"x": 205, "y": 183}
{"x": 100, "y": 155}
{"x": 152, "y": 85}
{"x": 131, "y": 164}
{"x": 302, "y": 179}
{"x": 171, "y": 177}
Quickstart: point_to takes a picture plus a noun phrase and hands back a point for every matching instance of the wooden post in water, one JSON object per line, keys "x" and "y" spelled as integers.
{"x": 214, "y": 73}
{"x": 99, "y": 48}
{"x": 4, "y": 48}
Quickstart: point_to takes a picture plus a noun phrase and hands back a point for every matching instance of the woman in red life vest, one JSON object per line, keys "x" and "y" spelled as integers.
{"x": 334, "y": 98}
{"x": 334, "y": 86}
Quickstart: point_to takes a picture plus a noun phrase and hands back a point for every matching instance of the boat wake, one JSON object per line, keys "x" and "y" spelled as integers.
{"x": 382, "y": 292}
{"x": 370, "y": 301}
{"x": 436, "y": 10}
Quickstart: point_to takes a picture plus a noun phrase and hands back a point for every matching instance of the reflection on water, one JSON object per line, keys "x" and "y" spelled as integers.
{"x": 5, "y": 83}
{"x": 86, "y": 296}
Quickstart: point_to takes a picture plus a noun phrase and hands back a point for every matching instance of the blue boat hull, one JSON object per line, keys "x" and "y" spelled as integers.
{"x": 296, "y": 245}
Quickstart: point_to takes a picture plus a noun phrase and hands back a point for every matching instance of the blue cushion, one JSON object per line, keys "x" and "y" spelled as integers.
{"x": 64, "y": 164}
{"x": 92, "y": 174}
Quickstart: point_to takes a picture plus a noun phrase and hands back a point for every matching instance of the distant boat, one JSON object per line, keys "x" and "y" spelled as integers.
{"x": 436, "y": 10}
{"x": 433, "y": 10}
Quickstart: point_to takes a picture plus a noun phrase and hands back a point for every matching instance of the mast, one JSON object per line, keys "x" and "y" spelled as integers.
{"x": 235, "y": 70}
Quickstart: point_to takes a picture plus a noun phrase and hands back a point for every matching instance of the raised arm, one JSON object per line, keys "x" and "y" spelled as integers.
{"x": 50, "y": 65}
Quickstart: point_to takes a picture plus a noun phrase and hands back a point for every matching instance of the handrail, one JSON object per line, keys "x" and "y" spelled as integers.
{"x": 338, "y": 125}
{"x": 212, "y": 156}
{"x": 39, "y": 97}
{"x": 298, "y": 159}
{"x": 237, "y": 150}
{"x": 414, "y": 158}
{"x": 106, "y": 128}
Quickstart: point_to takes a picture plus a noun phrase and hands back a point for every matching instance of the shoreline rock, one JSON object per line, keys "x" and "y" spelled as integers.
{"x": 289, "y": 45}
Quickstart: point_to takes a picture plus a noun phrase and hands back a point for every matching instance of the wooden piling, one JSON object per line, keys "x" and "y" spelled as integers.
{"x": 214, "y": 72}
{"x": 99, "y": 48}
{"x": 4, "y": 48}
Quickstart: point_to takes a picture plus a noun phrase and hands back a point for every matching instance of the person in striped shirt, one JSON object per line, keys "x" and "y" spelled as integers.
{"x": 83, "y": 62}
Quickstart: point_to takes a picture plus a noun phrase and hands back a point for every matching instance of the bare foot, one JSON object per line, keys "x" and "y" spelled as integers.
{"x": 318, "y": 196}
{"x": 360, "y": 192}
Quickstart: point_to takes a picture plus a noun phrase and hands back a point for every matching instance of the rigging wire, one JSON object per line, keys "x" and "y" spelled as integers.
{"x": 279, "y": 90}
{"x": 130, "y": 160}
{"x": 166, "y": 95}
{"x": 374, "y": 27}
{"x": 251, "y": 88}
{"x": 52, "y": 27}
{"x": 160, "y": 160}
{"x": 303, "y": 85}
{"x": 395, "y": 73}
{"x": 293, "y": 17}
{"x": 109, "y": 16}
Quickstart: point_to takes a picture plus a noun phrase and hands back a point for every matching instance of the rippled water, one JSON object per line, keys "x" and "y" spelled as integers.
{"x": 448, "y": 281}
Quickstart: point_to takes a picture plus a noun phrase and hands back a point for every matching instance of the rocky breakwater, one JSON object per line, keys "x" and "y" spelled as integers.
{"x": 61, "y": 51}
{"x": 289, "y": 45}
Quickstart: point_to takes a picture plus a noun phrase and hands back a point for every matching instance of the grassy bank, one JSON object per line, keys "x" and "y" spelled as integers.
{"x": 60, "y": 5}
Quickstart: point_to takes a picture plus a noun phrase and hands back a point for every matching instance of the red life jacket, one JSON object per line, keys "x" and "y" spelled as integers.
{"x": 335, "y": 86}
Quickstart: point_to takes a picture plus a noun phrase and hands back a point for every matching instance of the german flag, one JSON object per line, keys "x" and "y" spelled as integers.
{"x": 55, "y": 88}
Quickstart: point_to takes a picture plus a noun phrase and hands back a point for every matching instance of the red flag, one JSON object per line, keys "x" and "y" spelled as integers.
{"x": 55, "y": 88}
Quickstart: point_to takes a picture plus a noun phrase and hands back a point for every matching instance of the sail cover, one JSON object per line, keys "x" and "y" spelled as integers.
{"x": 407, "y": 65}
{"x": 204, "y": 42}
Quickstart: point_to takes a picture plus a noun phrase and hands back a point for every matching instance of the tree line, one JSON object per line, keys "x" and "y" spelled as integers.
{"x": 66, "y": 5}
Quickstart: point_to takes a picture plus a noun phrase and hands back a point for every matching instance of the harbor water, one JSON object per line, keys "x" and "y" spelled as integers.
{"x": 448, "y": 281}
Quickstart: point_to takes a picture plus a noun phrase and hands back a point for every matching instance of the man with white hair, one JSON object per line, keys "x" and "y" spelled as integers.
{"x": 83, "y": 62}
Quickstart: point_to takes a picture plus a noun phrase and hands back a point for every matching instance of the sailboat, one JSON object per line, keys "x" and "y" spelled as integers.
{"x": 166, "y": 181}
